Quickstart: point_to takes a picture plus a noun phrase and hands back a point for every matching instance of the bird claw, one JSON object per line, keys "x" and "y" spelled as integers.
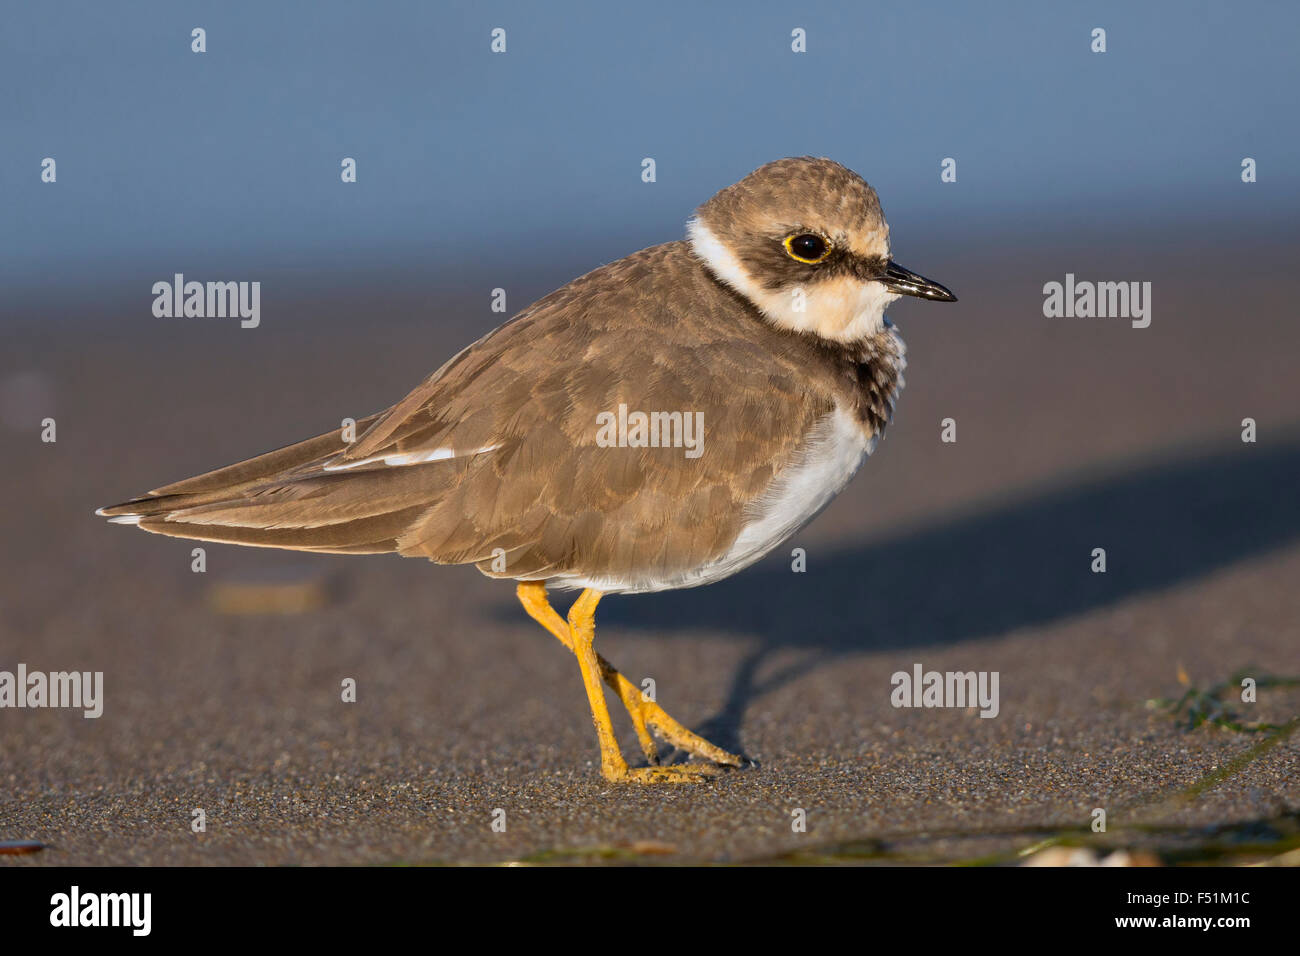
{"x": 672, "y": 773}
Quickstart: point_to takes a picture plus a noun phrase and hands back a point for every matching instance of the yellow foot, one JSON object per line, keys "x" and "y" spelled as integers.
{"x": 648, "y": 714}
{"x": 576, "y": 634}
{"x": 675, "y": 773}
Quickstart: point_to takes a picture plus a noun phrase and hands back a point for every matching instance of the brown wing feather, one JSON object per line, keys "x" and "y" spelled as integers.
{"x": 549, "y": 497}
{"x": 223, "y": 482}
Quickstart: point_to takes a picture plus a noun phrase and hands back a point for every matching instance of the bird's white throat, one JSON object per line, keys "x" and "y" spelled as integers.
{"x": 843, "y": 309}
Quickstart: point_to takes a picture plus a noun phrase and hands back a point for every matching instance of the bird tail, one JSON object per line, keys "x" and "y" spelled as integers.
{"x": 286, "y": 499}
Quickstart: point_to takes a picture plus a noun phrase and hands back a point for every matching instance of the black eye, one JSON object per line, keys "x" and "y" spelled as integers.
{"x": 807, "y": 247}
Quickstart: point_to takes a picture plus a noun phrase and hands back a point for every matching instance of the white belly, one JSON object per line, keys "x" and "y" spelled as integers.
{"x": 835, "y": 451}
{"x": 832, "y": 455}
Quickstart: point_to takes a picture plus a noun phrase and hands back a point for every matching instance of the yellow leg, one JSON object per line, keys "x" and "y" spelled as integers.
{"x": 645, "y": 714}
{"x": 532, "y": 595}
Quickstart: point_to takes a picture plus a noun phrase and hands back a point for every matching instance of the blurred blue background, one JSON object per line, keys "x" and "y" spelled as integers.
{"x": 226, "y": 163}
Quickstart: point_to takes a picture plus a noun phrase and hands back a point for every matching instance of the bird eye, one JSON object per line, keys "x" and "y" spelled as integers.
{"x": 807, "y": 247}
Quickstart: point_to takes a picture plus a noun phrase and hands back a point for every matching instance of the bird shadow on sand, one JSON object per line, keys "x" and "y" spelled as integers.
{"x": 1010, "y": 565}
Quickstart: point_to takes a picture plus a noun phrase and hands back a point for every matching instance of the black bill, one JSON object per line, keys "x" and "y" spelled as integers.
{"x": 900, "y": 280}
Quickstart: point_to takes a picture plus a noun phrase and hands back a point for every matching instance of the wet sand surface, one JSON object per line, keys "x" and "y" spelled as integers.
{"x": 1072, "y": 434}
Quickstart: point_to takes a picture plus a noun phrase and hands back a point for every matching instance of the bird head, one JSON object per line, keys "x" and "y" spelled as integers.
{"x": 806, "y": 242}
